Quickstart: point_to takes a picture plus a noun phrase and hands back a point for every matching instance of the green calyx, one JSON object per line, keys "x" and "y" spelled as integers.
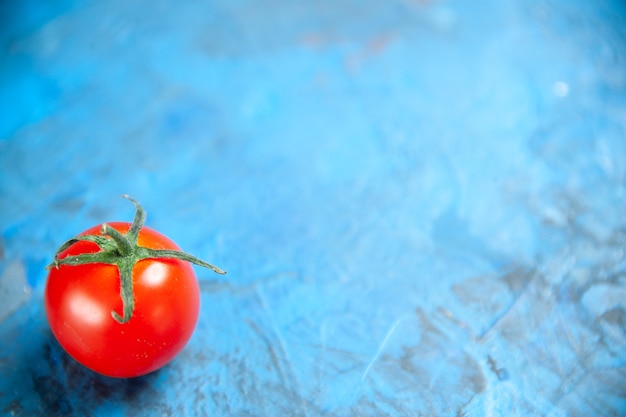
{"x": 122, "y": 250}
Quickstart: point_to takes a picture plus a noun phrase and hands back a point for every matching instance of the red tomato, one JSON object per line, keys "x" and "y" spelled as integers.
{"x": 79, "y": 300}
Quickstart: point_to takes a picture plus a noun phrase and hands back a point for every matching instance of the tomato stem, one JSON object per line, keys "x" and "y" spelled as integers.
{"x": 123, "y": 244}
{"x": 140, "y": 218}
{"x": 126, "y": 290}
{"x": 122, "y": 250}
{"x": 147, "y": 253}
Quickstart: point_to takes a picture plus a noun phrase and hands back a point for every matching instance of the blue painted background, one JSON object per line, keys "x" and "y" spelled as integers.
{"x": 421, "y": 204}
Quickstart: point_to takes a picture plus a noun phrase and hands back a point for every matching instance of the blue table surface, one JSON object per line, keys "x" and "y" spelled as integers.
{"x": 421, "y": 204}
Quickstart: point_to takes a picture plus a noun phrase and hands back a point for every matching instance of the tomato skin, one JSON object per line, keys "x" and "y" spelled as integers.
{"x": 79, "y": 301}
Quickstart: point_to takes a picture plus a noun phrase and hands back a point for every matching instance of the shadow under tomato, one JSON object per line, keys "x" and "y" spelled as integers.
{"x": 65, "y": 387}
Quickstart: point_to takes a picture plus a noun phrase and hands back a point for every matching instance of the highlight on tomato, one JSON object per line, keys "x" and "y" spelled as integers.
{"x": 122, "y": 299}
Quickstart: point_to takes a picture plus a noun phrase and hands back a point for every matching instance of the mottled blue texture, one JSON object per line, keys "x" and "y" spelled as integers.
{"x": 421, "y": 204}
